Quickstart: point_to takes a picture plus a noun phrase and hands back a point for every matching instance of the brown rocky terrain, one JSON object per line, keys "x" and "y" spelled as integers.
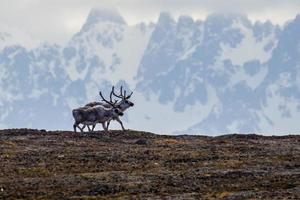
{"x": 37, "y": 164}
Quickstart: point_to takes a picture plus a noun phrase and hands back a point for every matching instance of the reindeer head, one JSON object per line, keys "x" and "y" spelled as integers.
{"x": 124, "y": 103}
{"x": 116, "y": 111}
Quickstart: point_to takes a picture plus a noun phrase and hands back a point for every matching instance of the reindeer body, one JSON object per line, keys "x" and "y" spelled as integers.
{"x": 93, "y": 115}
{"x": 123, "y": 105}
{"x": 96, "y": 103}
{"x": 94, "y": 112}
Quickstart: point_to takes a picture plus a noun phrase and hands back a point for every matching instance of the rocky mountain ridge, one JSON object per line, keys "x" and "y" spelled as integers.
{"x": 223, "y": 74}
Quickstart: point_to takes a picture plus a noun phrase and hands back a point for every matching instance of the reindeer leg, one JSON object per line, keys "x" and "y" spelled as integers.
{"x": 108, "y": 122}
{"x": 118, "y": 120}
{"x": 104, "y": 127}
{"x": 74, "y": 126}
{"x": 94, "y": 125}
{"x": 81, "y": 130}
{"x": 89, "y": 128}
{"x": 83, "y": 127}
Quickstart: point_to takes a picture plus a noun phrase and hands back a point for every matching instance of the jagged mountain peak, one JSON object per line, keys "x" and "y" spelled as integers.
{"x": 185, "y": 20}
{"x": 265, "y": 25}
{"x": 165, "y": 18}
{"x": 295, "y": 22}
{"x": 226, "y": 16}
{"x": 228, "y": 19}
{"x": 97, "y": 15}
{"x": 298, "y": 17}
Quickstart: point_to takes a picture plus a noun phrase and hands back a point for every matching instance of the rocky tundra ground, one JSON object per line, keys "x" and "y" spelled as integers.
{"x": 40, "y": 164}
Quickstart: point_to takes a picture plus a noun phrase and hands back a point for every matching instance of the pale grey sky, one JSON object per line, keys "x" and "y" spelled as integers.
{"x": 57, "y": 20}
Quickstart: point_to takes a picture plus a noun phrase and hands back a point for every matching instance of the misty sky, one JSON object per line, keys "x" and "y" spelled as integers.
{"x": 56, "y": 20}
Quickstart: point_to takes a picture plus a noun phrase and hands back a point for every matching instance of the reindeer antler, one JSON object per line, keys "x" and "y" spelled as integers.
{"x": 113, "y": 104}
{"x": 122, "y": 96}
{"x": 113, "y": 91}
{"x": 129, "y": 95}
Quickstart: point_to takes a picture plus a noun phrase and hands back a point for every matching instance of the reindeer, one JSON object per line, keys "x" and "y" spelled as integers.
{"x": 96, "y": 114}
{"x": 122, "y": 105}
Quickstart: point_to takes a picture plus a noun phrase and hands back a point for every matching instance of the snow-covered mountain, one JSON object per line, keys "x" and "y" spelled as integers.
{"x": 223, "y": 74}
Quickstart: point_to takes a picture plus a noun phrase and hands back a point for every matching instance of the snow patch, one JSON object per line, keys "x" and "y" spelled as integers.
{"x": 252, "y": 81}
{"x": 125, "y": 43}
{"x": 281, "y": 124}
{"x": 248, "y": 49}
{"x": 162, "y": 118}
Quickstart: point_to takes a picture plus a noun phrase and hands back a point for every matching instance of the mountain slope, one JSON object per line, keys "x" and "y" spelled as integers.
{"x": 223, "y": 74}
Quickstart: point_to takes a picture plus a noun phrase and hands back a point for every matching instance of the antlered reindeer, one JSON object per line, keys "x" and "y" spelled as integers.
{"x": 96, "y": 114}
{"x": 123, "y": 105}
